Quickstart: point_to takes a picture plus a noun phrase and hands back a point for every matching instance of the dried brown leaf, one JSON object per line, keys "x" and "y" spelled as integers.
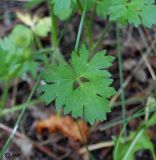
{"x": 66, "y": 125}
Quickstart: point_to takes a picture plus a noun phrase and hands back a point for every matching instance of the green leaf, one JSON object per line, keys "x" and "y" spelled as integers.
{"x": 151, "y": 104}
{"x": 90, "y": 3}
{"x": 62, "y": 8}
{"x": 142, "y": 12}
{"x": 65, "y": 14}
{"x": 139, "y": 140}
{"x": 14, "y": 58}
{"x": 8, "y": 57}
{"x": 102, "y": 8}
{"x": 43, "y": 26}
{"x": 7, "y": 45}
{"x": 32, "y": 3}
{"x": 31, "y": 67}
{"x": 82, "y": 87}
{"x": 60, "y": 5}
{"x": 134, "y": 12}
{"x": 21, "y": 36}
{"x": 152, "y": 121}
{"x": 148, "y": 11}
{"x": 118, "y": 12}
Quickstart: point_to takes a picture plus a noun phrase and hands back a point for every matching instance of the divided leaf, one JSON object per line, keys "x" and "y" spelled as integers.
{"x": 83, "y": 87}
{"x": 142, "y": 12}
{"x": 134, "y": 12}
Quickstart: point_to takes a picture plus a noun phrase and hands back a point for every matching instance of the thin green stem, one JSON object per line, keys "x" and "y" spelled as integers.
{"x": 76, "y": 49}
{"x": 81, "y": 27}
{"x": 54, "y": 36}
{"x": 89, "y": 32}
{"x": 101, "y": 37}
{"x": 45, "y": 50}
{"x": 16, "y": 108}
{"x": 53, "y": 25}
{"x": 19, "y": 118}
{"x": 117, "y": 122}
{"x": 88, "y": 23}
{"x": 38, "y": 42}
{"x": 116, "y": 151}
{"x": 79, "y": 5}
{"x": 134, "y": 142}
{"x": 130, "y": 101}
{"x": 153, "y": 154}
{"x": 121, "y": 77}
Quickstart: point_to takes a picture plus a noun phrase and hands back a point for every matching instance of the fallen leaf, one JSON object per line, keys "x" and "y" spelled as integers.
{"x": 66, "y": 125}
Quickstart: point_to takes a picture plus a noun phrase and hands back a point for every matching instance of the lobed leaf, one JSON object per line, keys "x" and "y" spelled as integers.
{"x": 82, "y": 87}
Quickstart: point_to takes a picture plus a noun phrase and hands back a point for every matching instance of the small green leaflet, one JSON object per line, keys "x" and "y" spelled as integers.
{"x": 62, "y": 8}
{"x": 82, "y": 87}
{"x": 102, "y": 8}
{"x": 21, "y": 40}
{"x": 142, "y": 12}
{"x": 42, "y": 27}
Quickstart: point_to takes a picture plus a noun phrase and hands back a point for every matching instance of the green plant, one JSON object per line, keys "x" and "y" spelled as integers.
{"x": 16, "y": 58}
{"x": 126, "y": 149}
{"x": 65, "y": 76}
{"x": 134, "y": 12}
{"x": 137, "y": 140}
{"x": 38, "y": 26}
{"x": 16, "y": 55}
{"x": 81, "y": 85}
